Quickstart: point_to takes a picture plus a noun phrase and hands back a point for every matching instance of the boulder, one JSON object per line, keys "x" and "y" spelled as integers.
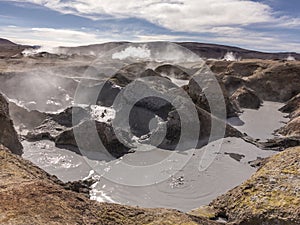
{"x": 88, "y": 139}
{"x": 172, "y": 71}
{"x": 8, "y": 134}
{"x": 49, "y": 129}
{"x": 292, "y": 106}
{"x": 205, "y": 121}
{"x": 270, "y": 196}
{"x": 280, "y": 143}
{"x": 24, "y": 117}
{"x": 246, "y": 98}
{"x": 233, "y": 83}
{"x": 71, "y": 116}
{"x": 243, "y": 68}
{"x": 292, "y": 128}
{"x": 197, "y": 95}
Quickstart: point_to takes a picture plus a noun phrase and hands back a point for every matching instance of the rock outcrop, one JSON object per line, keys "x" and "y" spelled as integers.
{"x": 292, "y": 107}
{"x": 199, "y": 98}
{"x": 233, "y": 83}
{"x": 172, "y": 71}
{"x": 86, "y": 138}
{"x": 271, "y": 80}
{"x": 246, "y": 98}
{"x": 270, "y": 196}
{"x": 8, "y": 134}
{"x": 279, "y": 82}
{"x": 31, "y": 196}
{"x": 25, "y": 118}
{"x": 292, "y": 128}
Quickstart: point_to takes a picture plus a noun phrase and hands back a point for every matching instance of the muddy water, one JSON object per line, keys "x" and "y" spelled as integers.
{"x": 261, "y": 123}
{"x": 188, "y": 188}
{"x": 183, "y": 188}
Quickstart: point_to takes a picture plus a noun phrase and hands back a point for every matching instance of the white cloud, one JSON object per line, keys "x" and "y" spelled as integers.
{"x": 55, "y": 37}
{"x": 177, "y": 15}
{"x": 49, "y": 37}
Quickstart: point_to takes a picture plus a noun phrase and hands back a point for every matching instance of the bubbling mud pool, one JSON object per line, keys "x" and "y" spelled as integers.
{"x": 185, "y": 188}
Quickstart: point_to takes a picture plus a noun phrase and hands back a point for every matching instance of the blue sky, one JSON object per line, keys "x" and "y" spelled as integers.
{"x": 266, "y": 25}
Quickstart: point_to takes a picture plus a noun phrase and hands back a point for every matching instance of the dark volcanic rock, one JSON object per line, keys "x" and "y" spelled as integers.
{"x": 81, "y": 186}
{"x": 292, "y": 106}
{"x": 275, "y": 144}
{"x": 233, "y": 83}
{"x": 131, "y": 72}
{"x": 70, "y": 116}
{"x": 205, "y": 120}
{"x": 246, "y": 98}
{"x": 258, "y": 162}
{"x": 292, "y": 128}
{"x": 149, "y": 73}
{"x": 280, "y": 143}
{"x": 54, "y": 124}
{"x": 235, "y": 156}
{"x": 102, "y": 93}
{"x": 8, "y": 135}
{"x": 49, "y": 129}
{"x": 29, "y": 118}
{"x": 170, "y": 113}
{"x": 197, "y": 95}
{"x": 87, "y": 137}
{"x": 172, "y": 71}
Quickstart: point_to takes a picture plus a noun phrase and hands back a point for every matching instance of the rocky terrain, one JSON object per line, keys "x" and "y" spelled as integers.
{"x": 65, "y": 100}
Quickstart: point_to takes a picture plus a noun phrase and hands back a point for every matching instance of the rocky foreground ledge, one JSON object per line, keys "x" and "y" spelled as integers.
{"x": 28, "y": 195}
{"x": 271, "y": 196}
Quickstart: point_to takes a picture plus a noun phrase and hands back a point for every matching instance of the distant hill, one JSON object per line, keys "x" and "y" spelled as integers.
{"x": 219, "y": 51}
{"x": 207, "y": 51}
{"x": 5, "y": 42}
{"x": 91, "y": 49}
{"x": 9, "y": 48}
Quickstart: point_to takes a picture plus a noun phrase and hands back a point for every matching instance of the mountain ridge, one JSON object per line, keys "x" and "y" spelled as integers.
{"x": 204, "y": 50}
